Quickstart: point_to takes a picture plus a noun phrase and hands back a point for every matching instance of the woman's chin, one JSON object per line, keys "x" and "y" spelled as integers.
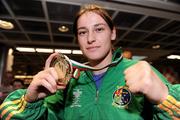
{"x": 94, "y": 58}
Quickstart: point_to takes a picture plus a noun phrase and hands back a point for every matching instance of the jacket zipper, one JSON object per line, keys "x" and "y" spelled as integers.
{"x": 97, "y": 95}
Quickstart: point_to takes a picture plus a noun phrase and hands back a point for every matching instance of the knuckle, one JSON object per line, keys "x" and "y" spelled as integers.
{"x": 133, "y": 89}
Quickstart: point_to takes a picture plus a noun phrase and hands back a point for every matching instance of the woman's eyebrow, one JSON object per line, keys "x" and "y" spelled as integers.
{"x": 81, "y": 28}
{"x": 100, "y": 24}
{"x": 95, "y": 25}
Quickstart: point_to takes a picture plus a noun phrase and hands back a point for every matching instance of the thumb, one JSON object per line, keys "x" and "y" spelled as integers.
{"x": 48, "y": 61}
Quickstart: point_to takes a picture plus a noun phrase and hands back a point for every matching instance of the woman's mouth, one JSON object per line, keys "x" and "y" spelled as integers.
{"x": 92, "y": 48}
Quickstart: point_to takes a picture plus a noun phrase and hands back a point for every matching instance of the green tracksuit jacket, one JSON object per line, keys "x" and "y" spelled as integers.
{"x": 82, "y": 101}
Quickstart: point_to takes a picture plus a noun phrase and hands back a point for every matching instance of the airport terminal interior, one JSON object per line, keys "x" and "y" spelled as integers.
{"x": 30, "y": 30}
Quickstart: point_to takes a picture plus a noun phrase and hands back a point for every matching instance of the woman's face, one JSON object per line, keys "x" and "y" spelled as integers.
{"x": 94, "y": 36}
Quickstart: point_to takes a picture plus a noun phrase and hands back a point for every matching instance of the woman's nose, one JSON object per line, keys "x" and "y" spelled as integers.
{"x": 91, "y": 37}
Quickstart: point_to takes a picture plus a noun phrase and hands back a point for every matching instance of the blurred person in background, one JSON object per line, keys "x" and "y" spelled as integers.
{"x": 17, "y": 84}
{"x": 127, "y": 54}
{"x": 6, "y": 86}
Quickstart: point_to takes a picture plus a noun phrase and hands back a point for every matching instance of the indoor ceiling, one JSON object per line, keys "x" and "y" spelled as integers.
{"x": 140, "y": 25}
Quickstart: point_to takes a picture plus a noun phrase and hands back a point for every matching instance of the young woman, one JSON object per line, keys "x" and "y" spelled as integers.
{"x": 117, "y": 90}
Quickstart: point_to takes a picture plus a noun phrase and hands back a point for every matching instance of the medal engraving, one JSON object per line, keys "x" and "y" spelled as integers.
{"x": 63, "y": 67}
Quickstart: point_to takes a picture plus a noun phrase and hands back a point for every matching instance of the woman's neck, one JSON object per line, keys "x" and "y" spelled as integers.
{"x": 102, "y": 63}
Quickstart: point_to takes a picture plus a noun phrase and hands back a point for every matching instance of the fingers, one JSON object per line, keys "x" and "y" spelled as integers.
{"x": 61, "y": 86}
{"x": 48, "y": 61}
{"x": 140, "y": 78}
{"x": 51, "y": 78}
{"x": 137, "y": 77}
{"x": 48, "y": 85}
{"x": 47, "y": 78}
{"x": 53, "y": 73}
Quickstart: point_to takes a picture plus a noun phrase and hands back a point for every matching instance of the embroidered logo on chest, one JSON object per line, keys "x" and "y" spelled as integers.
{"x": 76, "y": 98}
{"x": 121, "y": 97}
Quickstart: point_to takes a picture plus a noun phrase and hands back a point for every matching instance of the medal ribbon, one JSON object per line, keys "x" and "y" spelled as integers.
{"x": 73, "y": 68}
{"x": 85, "y": 66}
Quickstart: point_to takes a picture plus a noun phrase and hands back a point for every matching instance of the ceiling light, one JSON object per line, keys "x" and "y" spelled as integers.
{"x": 63, "y": 29}
{"x": 44, "y": 50}
{"x": 156, "y": 46}
{"x": 6, "y": 25}
{"x": 76, "y": 52}
{"x": 64, "y": 51}
{"x": 23, "y": 76}
{"x": 24, "y": 49}
{"x": 173, "y": 57}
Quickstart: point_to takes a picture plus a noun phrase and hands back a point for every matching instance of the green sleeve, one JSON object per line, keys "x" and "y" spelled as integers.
{"x": 15, "y": 107}
{"x": 169, "y": 109}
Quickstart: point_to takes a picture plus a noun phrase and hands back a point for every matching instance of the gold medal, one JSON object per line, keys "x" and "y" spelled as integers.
{"x": 63, "y": 67}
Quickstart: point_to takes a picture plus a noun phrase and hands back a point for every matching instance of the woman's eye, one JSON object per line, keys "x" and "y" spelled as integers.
{"x": 82, "y": 33}
{"x": 99, "y": 29}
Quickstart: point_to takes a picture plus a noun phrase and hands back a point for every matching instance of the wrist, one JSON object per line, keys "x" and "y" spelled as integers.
{"x": 164, "y": 95}
{"x": 28, "y": 99}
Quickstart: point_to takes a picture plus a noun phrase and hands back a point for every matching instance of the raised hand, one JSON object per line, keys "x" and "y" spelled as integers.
{"x": 44, "y": 83}
{"x": 140, "y": 78}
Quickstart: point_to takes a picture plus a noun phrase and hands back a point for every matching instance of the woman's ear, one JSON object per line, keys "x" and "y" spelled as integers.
{"x": 113, "y": 35}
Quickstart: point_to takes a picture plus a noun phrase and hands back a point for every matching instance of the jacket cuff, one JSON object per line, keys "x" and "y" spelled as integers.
{"x": 171, "y": 105}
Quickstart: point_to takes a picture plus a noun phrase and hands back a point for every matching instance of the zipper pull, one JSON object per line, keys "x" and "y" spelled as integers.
{"x": 97, "y": 95}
